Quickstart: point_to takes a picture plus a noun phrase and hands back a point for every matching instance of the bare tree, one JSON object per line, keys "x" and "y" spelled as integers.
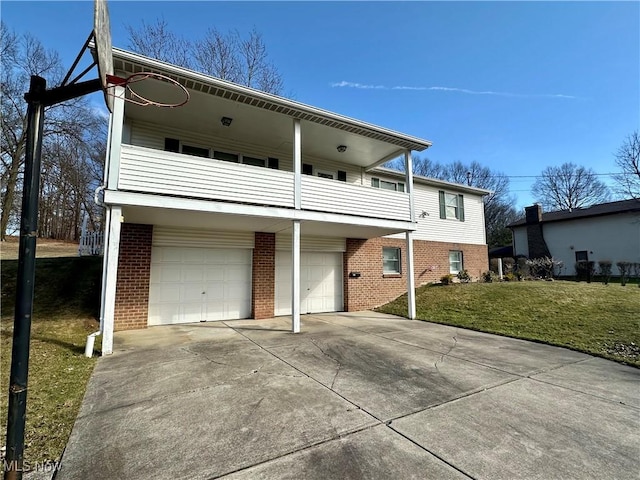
{"x": 628, "y": 160}
{"x": 70, "y": 123}
{"x": 156, "y": 40}
{"x": 569, "y": 186}
{"x": 229, "y": 56}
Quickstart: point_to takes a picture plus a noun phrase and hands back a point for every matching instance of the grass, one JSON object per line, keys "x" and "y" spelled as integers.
{"x": 592, "y": 318}
{"x": 67, "y": 295}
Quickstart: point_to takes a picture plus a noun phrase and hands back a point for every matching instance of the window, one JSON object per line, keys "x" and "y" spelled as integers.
{"x": 328, "y": 175}
{"x": 582, "y": 256}
{"x": 256, "y": 162}
{"x": 226, "y": 157}
{"x": 455, "y": 261}
{"x": 451, "y": 206}
{"x": 387, "y": 185}
{"x": 195, "y": 151}
{"x": 307, "y": 169}
{"x": 391, "y": 260}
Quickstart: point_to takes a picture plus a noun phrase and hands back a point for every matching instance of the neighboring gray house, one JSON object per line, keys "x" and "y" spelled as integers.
{"x": 608, "y": 231}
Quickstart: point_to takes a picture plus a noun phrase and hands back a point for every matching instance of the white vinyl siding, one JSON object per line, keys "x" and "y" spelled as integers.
{"x": 312, "y": 244}
{"x": 154, "y": 171}
{"x": 192, "y": 237}
{"x": 431, "y": 227}
{"x": 328, "y": 196}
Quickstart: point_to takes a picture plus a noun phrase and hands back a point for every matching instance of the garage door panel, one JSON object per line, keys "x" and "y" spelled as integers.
{"x": 199, "y": 284}
{"x": 320, "y": 282}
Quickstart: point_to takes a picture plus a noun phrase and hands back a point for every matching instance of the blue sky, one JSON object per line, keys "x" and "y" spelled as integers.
{"x": 516, "y": 86}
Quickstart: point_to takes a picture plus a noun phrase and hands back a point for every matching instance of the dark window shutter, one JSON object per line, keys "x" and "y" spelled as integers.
{"x": 342, "y": 176}
{"x": 172, "y": 145}
{"x": 307, "y": 169}
{"x": 273, "y": 163}
{"x": 443, "y": 207}
{"x": 461, "y": 208}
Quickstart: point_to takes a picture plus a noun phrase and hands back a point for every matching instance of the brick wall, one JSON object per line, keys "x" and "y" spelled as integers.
{"x": 134, "y": 268}
{"x": 263, "y": 275}
{"x": 431, "y": 261}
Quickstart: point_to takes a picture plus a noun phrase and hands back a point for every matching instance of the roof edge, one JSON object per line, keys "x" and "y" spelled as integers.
{"x": 417, "y": 144}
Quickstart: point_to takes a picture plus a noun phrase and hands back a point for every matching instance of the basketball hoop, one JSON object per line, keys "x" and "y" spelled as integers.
{"x": 137, "y": 98}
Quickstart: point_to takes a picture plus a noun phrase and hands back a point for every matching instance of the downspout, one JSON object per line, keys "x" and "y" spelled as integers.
{"x": 91, "y": 338}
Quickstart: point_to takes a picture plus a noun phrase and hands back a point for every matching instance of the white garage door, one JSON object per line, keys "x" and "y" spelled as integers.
{"x": 199, "y": 284}
{"x": 320, "y": 282}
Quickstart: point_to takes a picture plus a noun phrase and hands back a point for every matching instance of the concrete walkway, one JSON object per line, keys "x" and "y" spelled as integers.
{"x": 356, "y": 395}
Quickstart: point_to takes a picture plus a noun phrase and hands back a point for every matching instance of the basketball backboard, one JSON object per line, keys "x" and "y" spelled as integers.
{"x": 103, "y": 47}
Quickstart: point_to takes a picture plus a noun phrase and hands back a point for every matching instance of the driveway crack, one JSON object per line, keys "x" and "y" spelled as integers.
{"x": 441, "y": 359}
{"x": 338, "y": 364}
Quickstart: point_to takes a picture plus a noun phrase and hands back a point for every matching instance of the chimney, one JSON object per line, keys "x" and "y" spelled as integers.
{"x": 535, "y": 237}
{"x": 533, "y": 214}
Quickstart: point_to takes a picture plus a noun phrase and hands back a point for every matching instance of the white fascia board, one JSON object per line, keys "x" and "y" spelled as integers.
{"x": 114, "y": 197}
{"x": 418, "y": 144}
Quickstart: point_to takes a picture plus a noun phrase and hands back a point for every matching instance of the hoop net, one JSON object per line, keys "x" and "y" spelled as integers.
{"x": 137, "y": 98}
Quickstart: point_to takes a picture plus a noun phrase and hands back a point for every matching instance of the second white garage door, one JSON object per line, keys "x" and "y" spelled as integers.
{"x": 199, "y": 284}
{"x": 320, "y": 282}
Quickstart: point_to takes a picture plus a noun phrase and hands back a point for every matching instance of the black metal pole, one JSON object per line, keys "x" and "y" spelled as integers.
{"x": 25, "y": 283}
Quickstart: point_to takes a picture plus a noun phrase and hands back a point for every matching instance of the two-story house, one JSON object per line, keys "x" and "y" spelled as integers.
{"x": 243, "y": 204}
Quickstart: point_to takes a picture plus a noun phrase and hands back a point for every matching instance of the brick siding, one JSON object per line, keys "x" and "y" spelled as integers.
{"x": 134, "y": 268}
{"x": 431, "y": 261}
{"x": 263, "y": 276}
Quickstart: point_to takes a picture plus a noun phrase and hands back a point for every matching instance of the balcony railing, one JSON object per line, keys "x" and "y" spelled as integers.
{"x": 159, "y": 172}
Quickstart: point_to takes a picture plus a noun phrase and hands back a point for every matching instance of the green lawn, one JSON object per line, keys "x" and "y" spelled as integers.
{"x": 593, "y": 318}
{"x": 65, "y": 311}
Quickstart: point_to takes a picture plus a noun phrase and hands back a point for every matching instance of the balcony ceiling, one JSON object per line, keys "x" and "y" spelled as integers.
{"x": 259, "y": 119}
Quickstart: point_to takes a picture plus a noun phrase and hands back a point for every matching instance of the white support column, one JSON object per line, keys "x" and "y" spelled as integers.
{"x": 297, "y": 165}
{"x": 411, "y": 284}
{"x": 408, "y": 167}
{"x": 295, "y": 278}
{"x": 111, "y": 274}
{"x": 115, "y": 138}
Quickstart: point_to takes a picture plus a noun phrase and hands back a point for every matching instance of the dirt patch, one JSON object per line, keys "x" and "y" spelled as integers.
{"x": 45, "y": 248}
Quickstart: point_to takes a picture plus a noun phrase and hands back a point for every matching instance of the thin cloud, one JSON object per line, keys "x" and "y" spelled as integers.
{"x": 363, "y": 86}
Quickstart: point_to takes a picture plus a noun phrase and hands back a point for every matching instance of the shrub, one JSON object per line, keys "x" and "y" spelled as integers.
{"x": 508, "y": 264}
{"x": 489, "y": 277}
{"x": 625, "y": 270}
{"x": 544, "y": 267}
{"x": 446, "y": 279}
{"x": 464, "y": 276}
{"x": 585, "y": 270}
{"x": 509, "y": 277}
{"x": 522, "y": 270}
{"x": 636, "y": 272}
{"x": 605, "y": 270}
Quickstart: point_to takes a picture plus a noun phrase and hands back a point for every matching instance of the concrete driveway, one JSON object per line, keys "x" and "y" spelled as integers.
{"x": 356, "y": 395}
